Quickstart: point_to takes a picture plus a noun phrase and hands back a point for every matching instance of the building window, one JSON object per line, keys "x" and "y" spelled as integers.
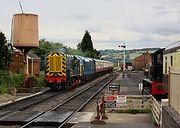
{"x": 171, "y": 60}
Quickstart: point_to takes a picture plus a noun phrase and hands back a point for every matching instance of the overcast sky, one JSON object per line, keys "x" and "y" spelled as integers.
{"x": 137, "y": 23}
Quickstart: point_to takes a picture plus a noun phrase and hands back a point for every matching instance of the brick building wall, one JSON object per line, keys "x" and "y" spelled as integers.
{"x": 170, "y": 118}
{"x": 140, "y": 61}
{"x": 17, "y": 63}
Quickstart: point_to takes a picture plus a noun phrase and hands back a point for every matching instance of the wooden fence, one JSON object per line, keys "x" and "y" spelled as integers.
{"x": 127, "y": 102}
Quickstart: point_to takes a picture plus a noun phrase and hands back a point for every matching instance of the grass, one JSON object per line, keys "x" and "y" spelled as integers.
{"x": 133, "y": 111}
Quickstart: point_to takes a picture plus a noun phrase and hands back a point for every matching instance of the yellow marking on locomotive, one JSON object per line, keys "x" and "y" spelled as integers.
{"x": 81, "y": 69}
{"x": 56, "y": 65}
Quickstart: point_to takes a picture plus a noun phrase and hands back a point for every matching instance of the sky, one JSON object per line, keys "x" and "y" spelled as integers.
{"x": 135, "y": 23}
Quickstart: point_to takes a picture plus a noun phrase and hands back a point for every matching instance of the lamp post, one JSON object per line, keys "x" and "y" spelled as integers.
{"x": 123, "y": 46}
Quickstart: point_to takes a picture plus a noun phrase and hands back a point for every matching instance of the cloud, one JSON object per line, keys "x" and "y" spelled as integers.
{"x": 158, "y": 7}
{"x": 162, "y": 13}
{"x": 138, "y": 23}
{"x": 81, "y": 17}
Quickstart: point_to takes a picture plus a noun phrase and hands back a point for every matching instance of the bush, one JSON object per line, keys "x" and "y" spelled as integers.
{"x": 133, "y": 111}
{"x": 38, "y": 81}
{"x": 3, "y": 87}
{"x": 16, "y": 80}
{"x": 9, "y": 79}
{"x": 41, "y": 82}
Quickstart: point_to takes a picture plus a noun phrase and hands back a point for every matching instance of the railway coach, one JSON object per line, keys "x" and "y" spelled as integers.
{"x": 66, "y": 71}
{"x": 103, "y": 67}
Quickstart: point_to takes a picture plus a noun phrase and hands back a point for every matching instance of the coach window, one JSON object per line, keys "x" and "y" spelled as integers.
{"x": 171, "y": 60}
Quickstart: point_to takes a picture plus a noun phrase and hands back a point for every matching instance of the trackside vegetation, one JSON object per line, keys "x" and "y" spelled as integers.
{"x": 131, "y": 111}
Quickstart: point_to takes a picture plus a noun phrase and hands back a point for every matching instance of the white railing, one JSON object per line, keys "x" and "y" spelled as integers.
{"x": 156, "y": 110}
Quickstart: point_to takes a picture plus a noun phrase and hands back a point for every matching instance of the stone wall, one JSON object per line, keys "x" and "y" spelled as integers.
{"x": 170, "y": 118}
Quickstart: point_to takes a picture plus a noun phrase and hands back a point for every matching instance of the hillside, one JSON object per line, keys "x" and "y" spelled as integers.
{"x": 114, "y": 55}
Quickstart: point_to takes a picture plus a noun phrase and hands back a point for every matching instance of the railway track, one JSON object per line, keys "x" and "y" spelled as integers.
{"x": 136, "y": 76}
{"x": 31, "y": 113}
{"x": 61, "y": 114}
{"x": 28, "y": 102}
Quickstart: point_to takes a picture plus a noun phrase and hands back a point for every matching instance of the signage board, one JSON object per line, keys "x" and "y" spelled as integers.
{"x": 110, "y": 101}
{"x": 121, "y": 99}
{"x": 113, "y": 87}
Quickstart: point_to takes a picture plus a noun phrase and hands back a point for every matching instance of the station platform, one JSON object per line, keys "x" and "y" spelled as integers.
{"x": 115, "y": 120}
{"x": 8, "y": 99}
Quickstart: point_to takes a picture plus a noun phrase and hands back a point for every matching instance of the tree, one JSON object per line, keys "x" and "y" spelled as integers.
{"x": 5, "y": 54}
{"x": 86, "y": 44}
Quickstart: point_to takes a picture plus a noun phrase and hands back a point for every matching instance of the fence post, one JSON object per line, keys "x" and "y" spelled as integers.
{"x": 97, "y": 110}
{"x": 97, "y": 118}
{"x": 103, "y": 109}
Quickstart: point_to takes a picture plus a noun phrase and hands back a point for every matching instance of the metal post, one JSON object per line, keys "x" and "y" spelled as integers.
{"x": 103, "y": 109}
{"x": 118, "y": 64}
{"x": 97, "y": 110}
{"x": 123, "y": 46}
{"x": 124, "y": 61}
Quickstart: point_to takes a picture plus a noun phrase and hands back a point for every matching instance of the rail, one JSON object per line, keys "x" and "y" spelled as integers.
{"x": 67, "y": 100}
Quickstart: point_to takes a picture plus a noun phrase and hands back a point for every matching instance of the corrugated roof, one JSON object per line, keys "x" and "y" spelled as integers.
{"x": 172, "y": 47}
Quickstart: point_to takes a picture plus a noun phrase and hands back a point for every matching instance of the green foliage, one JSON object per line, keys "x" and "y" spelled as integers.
{"x": 3, "y": 76}
{"x": 71, "y": 51}
{"x": 3, "y": 81}
{"x": 133, "y": 111}
{"x": 86, "y": 46}
{"x": 38, "y": 81}
{"x": 16, "y": 80}
{"x": 5, "y": 55}
{"x": 44, "y": 48}
{"x": 113, "y": 55}
{"x": 3, "y": 87}
{"x": 8, "y": 79}
{"x": 41, "y": 82}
